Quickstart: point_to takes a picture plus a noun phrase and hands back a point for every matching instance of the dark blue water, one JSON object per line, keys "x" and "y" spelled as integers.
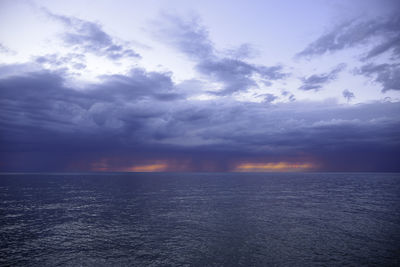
{"x": 204, "y": 219}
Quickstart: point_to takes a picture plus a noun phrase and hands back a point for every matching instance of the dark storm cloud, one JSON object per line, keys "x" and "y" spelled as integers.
{"x": 316, "y": 81}
{"x": 348, "y": 95}
{"x": 383, "y": 32}
{"x": 142, "y": 117}
{"x": 41, "y": 99}
{"x": 139, "y": 83}
{"x": 90, "y": 37}
{"x": 386, "y": 74}
{"x": 236, "y": 75}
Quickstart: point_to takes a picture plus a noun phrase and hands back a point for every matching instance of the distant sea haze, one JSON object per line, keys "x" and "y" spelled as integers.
{"x": 200, "y": 219}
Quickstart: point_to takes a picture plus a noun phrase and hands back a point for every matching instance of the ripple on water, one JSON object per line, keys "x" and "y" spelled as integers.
{"x": 200, "y": 219}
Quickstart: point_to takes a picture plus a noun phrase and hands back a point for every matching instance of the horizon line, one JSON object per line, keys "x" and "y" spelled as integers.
{"x": 161, "y": 172}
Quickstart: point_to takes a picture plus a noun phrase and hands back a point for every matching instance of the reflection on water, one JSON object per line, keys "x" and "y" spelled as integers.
{"x": 200, "y": 219}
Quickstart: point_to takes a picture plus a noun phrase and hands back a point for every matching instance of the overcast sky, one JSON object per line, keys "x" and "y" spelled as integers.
{"x": 200, "y": 85}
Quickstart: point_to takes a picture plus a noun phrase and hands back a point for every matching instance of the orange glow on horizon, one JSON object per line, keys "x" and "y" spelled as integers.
{"x": 270, "y": 167}
{"x": 111, "y": 165}
{"x": 158, "y": 167}
{"x": 106, "y": 165}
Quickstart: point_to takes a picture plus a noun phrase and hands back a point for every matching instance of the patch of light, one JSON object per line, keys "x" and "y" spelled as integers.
{"x": 158, "y": 167}
{"x": 108, "y": 165}
{"x": 273, "y": 167}
{"x": 97, "y": 66}
{"x": 202, "y": 97}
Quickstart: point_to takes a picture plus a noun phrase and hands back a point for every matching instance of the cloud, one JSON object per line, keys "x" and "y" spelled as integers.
{"x": 243, "y": 51}
{"x": 268, "y": 98}
{"x": 377, "y": 36}
{"x": 143, "y": 120}
{"x": 316, "y": 81}
{"x": 237, "y": 75}
{"x": 289, "y": 95}
{"x": 191, "y": 38}
{"x": 348, "y": 95}
{"x": 77, "y": 61}
{"x": 6, "y": 50}
{"x": 41, "y": 99}
{"x": 386, "y": 74}
{"x": 188, "y": 36}
{"x": 384, "y": 32}
{"x": 90, "y": 37}
{"x": 126, "y": 120}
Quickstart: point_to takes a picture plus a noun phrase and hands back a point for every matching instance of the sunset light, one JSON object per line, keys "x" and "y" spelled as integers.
{"x": 273, "y": 167}
{"x": 108, "y": 165}
{"x": 158, "y": 167}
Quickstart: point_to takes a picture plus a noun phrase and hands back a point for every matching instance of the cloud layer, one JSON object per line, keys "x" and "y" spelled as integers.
{"x": 136, "y": 119}
{"x": 143, "y": 119}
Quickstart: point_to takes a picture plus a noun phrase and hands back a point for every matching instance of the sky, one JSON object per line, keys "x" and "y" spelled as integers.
{"x": 213, "y": 86}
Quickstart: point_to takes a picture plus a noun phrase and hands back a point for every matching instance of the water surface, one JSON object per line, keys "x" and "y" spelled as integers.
{"x": 200, "y": 219}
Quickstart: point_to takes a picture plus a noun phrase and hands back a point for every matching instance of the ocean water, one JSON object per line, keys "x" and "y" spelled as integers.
{"x": 200, "y": 219}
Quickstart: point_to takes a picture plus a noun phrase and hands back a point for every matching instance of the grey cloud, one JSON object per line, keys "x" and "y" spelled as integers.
{"x": 316, "y": 81}
{"x": 384, "y": 31}
{"x": 266, "y": 83}
{"x": 390, "y": 43}
{"x": 236, "y": 75}
{"x": 43, "y": 120}
{"x": 118, "y": 51}
{"x": 189, "y": 36}
{"x": 386, "y": 74}
{"x": 242, "y": 52}
{"x": 348, "y": 95}
{"x": 271, "y": 73}
{"x": 77, "y": 61}
{"x": 137, "y": 84}
{"x": 39, "y": 115}
{"x": 90, "y": 37}
{"x": 289, "y": 95}
{"x": 268, "y": 98}
{"x": 285, "y": 93}
{"x": 41, "y": 97}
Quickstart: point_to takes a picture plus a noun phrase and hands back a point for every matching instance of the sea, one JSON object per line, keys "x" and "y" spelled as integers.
{"x": 200, "y": 219}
